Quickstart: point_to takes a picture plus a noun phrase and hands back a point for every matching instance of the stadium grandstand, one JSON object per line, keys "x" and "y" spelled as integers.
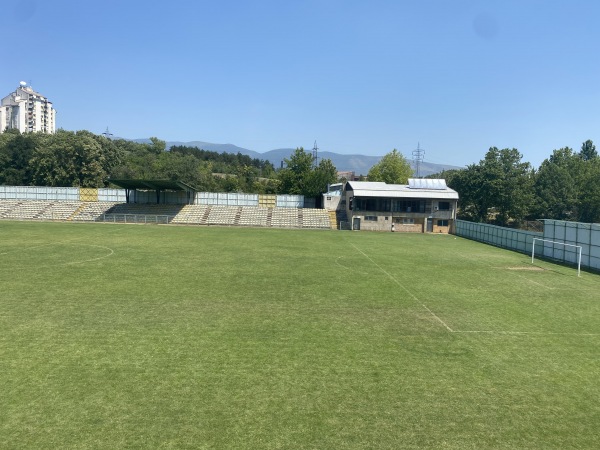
{"x": 161, "y": 202}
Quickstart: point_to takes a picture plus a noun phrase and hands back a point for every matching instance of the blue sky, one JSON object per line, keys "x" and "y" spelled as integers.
{"x": 456, "y": 76}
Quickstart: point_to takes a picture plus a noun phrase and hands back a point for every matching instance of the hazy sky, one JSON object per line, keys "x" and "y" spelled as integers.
{"x": 456, "y": 76}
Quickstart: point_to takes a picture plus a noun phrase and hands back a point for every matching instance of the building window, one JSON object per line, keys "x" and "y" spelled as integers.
{"x": 412, "y": 206}
{"x": 371, "y": 218}
{"x": 444, "y": 206}
{"x": 407, "y": 221}
{"x": 442, "y": 223}
{"x": 373, "y": 204}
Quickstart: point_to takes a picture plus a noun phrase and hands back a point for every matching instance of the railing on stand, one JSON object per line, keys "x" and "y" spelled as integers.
{"x": 135, "y": 218}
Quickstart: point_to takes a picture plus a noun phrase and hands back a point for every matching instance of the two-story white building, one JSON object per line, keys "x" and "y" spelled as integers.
{"x": 27, "y": 111}
{"x": 421, "y": 206}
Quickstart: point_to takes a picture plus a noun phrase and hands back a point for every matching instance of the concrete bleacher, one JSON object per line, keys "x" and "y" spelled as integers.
{"x": 25, "y": 210}
{"x": 91, "y": 211}
{"x": 52, "y": 210}
{"x": 191, "y": 215}
{"x": 285, "y": 218}
{"x": 28, "y": 210}
{"x": 249, "y": 216}
{"x": 222, "y": 215}
{"x": 58, "y": 211}
{"x": 253, "y": 216}
{"x": 6, "y": 206}
{"x": 315, "y": 218}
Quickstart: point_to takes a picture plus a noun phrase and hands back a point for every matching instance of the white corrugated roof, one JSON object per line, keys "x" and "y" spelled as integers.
{"x": 380, "y": 189}
{"x": 427, "y": 183}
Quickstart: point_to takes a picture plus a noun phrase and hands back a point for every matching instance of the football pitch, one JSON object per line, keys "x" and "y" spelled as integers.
{"x": 132, "y": 336}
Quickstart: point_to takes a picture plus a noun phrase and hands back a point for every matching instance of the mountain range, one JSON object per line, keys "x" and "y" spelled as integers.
{"x": 359, "y": 164}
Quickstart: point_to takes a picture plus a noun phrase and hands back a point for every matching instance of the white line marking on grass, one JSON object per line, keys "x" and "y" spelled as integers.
{"x": 440, "y": 320}
{"x": 32, "y": 247}
{"x": 403, "y": 287}
{"x": 535, "y": 282}
{"x": 67, "y": 242}
{"x": 112, "y": 252}
{"x": 541, "y": 333}
{"x": 523, "y": 333}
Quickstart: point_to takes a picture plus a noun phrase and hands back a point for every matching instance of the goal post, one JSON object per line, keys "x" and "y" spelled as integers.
{"x": 578, "y": 250}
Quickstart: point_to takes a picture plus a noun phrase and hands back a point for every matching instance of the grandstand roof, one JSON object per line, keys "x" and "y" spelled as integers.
{"x": 154, "y": 185}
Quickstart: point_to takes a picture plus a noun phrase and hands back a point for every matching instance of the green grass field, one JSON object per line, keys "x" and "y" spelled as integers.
{"x": 127, "y": 336}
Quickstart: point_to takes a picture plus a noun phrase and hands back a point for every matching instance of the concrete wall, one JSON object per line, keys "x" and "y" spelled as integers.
{"x": 331, "y": 202}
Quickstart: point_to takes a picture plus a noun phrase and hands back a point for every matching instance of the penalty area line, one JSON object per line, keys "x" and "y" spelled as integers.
{"x": 404, "y": 288}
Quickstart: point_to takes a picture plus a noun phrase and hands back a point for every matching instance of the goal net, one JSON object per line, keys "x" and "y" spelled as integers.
{"x": 558, "y": 246}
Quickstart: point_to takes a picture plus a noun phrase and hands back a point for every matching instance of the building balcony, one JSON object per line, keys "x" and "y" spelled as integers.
{"x": 445, "y": 214}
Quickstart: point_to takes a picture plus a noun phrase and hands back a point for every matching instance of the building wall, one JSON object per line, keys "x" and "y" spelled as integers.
{"x": 420, "y": 220}
{"x": 381, "y": 221}
{"x": 444, "y": 229}
{"x": 3, "y": 118}
{"x": 331, "y": 202}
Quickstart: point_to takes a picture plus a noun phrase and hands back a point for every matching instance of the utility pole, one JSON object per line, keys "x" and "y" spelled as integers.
{"x": 107, "y": 134}
{"x": 315, "y": 155}
{"x": 418, "y": 159}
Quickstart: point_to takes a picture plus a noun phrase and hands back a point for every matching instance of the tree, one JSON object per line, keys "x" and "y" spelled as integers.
{"x": 300, "y": 177}
{"x": 69, "y": 159}
{"x": 556, "y": 186}
{"x": 294, "y": 177}
{"x": 473, "y": 203}
{"x": 15, "y": 152}
{"x": 589, "y": 191}
{"x": 509, "y": 184}
{"x": 322, "y": 175}
{"x": 588, "y": 151}
{"x": 392, "y": 169}
{"x": 157, "y": 146}
{"x": 499, "y": 189}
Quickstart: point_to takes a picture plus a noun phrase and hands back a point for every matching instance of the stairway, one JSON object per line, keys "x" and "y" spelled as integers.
{"x": 333, "y": 220}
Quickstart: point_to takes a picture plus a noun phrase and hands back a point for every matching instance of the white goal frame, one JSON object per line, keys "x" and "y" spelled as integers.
{"x": 559, "y": 243}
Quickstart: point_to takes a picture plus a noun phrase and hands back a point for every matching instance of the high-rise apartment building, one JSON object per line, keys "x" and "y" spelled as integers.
{"x": 27, "y": 111}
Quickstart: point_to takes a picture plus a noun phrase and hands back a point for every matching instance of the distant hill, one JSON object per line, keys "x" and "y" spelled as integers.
{"x": 360, "y": 164}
